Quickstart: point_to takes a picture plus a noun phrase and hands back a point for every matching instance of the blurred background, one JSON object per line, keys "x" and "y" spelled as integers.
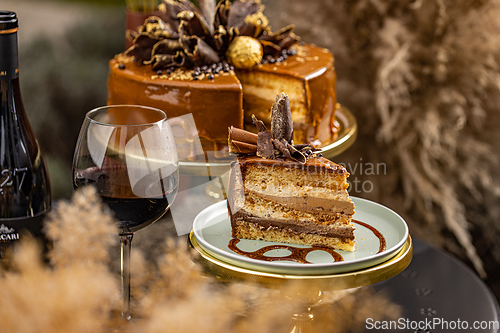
{"x": 421, "y": 80}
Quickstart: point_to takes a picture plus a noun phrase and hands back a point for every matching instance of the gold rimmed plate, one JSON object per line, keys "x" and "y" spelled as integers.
{"x": 212, "y": 231}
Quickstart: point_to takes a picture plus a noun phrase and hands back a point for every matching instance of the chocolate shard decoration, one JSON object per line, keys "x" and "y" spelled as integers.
{"x": 198, "y": 51}
{"x": 207, "y": 8}
{"x": 171, "y": 8}
{"x": 205, "y": 33}
{"x": 265, "y": 147}
{"x": 192, "y": 24}
{"x": 239, "y": 11}
{"x": 221, "y": 13}
{"x": 281, "y": 118}
{"x": 259, "y": 124}
{"x": 156, "y": 27}
{"x": 160, "y": 61}
{"x": 140, "y": 53}
{"x": 221, "y": 38}
{"x": 274, "y": 142}
{"x": 167, "y": 46}
{"x": 254, "y": 24}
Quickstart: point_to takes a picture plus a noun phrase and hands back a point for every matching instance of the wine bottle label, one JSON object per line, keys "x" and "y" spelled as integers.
{"x": 12, "y": 230}
{"x": 9, "y": 60}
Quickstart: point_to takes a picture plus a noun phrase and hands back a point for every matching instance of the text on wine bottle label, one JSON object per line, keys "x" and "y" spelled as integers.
{"x": 7, "y": 178}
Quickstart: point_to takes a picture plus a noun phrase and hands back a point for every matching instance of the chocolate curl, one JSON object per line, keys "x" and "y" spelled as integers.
{"x": 281, "y": 118}
{"x": 305, "y": 146}
{"x": 269, "y": 47}
{"x": 275, "y": 42}
{"x": 296, "y": 154}
{"x": 241, "y": 141}
{"x": 281, "y": 146}
{"x": 239, "y": 147}
{"x": 289, "y": 151}
{"x": 242, "y": 135}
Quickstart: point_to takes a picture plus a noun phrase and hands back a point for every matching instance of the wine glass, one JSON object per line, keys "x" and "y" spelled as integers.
{"x": 128, "y": 154}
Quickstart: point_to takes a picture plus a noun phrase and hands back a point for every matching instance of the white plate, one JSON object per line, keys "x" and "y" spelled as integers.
{"x": 212, "y": 230}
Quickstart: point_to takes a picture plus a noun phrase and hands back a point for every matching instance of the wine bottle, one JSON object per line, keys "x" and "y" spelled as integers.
{"x": 25, "y": 196}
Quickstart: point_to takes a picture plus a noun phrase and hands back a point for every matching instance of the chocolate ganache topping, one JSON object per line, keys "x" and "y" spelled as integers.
{"x": 273, "y": 144}
{"x": 185, "y": 35}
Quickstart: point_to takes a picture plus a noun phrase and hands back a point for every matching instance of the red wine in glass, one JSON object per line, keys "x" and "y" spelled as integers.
{"x": 135, "y": 207}
{"x": 128, "y": 153}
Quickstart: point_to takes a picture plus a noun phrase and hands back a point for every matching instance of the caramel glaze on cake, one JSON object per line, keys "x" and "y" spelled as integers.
{"x": 215, "y": 104}
{"x": 218, "y": 103}
{"x": 286, "y": 201}
{"x": 309, "y": 80}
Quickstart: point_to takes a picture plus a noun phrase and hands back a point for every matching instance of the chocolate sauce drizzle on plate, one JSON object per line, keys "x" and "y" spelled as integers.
{"x": 377, "y": 233}
{"x": 299, "y": 254}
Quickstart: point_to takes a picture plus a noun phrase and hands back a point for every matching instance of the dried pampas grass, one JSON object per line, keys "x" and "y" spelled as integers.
{"x": 77, "y": 292}
{"x": 430, "y": 92}
{"x": 422, "y": 77}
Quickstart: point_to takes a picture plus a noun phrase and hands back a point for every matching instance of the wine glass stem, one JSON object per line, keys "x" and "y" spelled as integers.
{"x": 126, "y": 246}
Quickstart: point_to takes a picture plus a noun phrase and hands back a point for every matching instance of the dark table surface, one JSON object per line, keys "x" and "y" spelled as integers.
{"x": 439, "y": 293}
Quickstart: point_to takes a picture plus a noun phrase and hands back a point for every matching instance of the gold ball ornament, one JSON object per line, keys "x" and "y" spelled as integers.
{"x": 244, "y": 52}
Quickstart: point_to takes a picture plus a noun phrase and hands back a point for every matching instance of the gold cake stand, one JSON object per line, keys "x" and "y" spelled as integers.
{"x": 305, "y": 290}
{"x": 346, "y": 136}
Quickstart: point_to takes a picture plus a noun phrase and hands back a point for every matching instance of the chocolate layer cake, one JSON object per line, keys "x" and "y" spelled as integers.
{"x": 223, "y": 65}
{"x": 286, "y": 201}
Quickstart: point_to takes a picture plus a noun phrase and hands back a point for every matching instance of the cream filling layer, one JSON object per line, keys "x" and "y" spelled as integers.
{"x": 259, "y": 206}
{"x": 313, "y": 204}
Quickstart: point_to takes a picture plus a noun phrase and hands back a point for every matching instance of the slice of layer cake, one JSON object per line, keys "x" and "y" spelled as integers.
{"x": 285, "y": 201}
{"x": 287, "y": 193}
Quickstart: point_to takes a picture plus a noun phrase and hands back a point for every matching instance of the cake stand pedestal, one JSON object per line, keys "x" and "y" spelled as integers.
{"x": 292, "y": 286}
{"x": 219, "y": 169}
